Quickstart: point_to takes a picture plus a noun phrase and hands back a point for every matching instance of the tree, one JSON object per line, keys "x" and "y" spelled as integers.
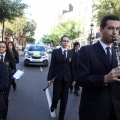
{"x": 15, "y": 27}
{"x": 69, "y": 27}
{"x": 9, "y": 9}
{"x": 30, "y": 28}
{"x": 104, "y": 7}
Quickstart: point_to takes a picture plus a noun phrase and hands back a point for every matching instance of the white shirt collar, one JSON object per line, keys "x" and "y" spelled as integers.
{"x": 104, "y": 46}
{"x": 63, "y": 49}
{"x": 3, "y": 54}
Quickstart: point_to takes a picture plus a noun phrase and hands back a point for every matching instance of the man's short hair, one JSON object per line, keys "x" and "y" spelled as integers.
{"x": 63, "y": 37}
{"x": 76, "y": 43}
{"x": 106, "y": 18}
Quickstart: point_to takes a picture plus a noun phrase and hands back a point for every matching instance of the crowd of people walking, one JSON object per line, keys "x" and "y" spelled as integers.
{"x": 92, "y": 67}
{"x": 97, "y": 73}
{"x": 9, "y": 56}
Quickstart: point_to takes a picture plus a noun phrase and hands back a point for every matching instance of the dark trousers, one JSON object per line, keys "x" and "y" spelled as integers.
{"x": 6, "y": 95}
{"x": 60, "y": 92}
{"x": 1, "y": 115}
{"x": 76, "y": 87}
{"x": 13, "y": 82}
{"x": 112, "y": 115}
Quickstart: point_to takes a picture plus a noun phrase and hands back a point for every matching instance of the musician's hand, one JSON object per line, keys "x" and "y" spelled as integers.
{"x": 49, "y": 82}
{"x": 73, "y": 83}
{"x": 112, "y": 75}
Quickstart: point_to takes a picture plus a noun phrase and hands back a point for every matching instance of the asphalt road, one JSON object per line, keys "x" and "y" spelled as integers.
{"x": 29, "y": 101}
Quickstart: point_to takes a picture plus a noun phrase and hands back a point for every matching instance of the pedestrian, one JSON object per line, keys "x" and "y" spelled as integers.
{"x": 75, "y": 51}
{"x": 8, "y": 59}
{"x": 15, "y": 54}
{"x": 62, "y": 68}
{"x": 98, "y": 74}
{"x": 4, "y": 82}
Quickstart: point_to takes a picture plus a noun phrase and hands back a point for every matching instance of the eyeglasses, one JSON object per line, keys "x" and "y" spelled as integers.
{"x": 65, "y": 40}
{"x": 2, "y": 47}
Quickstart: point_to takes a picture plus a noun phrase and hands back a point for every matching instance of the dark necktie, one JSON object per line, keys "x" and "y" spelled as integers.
{"x": 2, "y": 58}
{"x": 108, "y": 54}
{"x": 76, "y": 51}
{"x": 64, "y": 54}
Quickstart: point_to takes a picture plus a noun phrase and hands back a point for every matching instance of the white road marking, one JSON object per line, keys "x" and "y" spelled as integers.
{"x": 49, "y": 102}
{"x": 41, "y": 69}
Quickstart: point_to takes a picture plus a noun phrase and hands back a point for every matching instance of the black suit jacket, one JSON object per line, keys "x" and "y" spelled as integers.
{"x": 75, "y": 57}
{"x": 16, "y": 56}
{"x": 10, "y": 62}
{"x": 63, "y": 69}
{"x": 4, "y": 82}
{"x": 97, "y": 98}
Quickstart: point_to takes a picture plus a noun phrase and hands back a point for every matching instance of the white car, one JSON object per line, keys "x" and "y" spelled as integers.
{"x": 36, "y": 55}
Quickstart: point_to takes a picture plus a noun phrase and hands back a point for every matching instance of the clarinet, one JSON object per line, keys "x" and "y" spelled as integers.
{"x": 116, "y": 48}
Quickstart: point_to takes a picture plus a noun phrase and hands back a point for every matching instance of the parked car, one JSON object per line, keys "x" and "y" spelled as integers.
{"x": 36, "y": 55}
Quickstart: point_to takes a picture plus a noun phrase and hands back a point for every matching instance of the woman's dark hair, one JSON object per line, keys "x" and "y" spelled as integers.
{"x": 9, "y": 55}
{"x": 13, "y": 48}
{"x": 63, "y": 37}
{"x": 106, "y": 18}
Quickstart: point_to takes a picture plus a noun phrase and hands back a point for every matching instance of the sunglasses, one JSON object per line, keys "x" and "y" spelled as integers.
{"x": 2, "y": 47}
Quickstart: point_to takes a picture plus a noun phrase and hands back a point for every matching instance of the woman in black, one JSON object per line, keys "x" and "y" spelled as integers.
{"x": 15, "y": 54}
{"x": 8, "y": 59}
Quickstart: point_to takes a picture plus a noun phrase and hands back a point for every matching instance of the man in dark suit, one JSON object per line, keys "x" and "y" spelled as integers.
{"x": 4, "y": 82}
{"x": 75, "y": 51}
{"x": 98, "y": 74}
{"x": 62, "y": 68}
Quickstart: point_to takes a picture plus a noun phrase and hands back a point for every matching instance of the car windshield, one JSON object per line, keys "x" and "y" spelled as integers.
{"x": 36, "y": 48}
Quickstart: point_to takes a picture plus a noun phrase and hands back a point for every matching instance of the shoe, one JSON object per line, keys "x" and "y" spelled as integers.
{"x": 53, "y": 107}
{"x": 14, "y": 87}
{"x": 76, "y": 93}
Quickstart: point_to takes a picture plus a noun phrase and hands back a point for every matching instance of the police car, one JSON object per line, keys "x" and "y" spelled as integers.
{"x": 36, "y": 55}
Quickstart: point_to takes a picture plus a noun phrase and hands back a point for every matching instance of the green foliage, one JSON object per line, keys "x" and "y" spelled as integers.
{"x": 9, "y": 9}
{"x": 104, "y": 7}
{"x": 30, "y": 40}
{"x": 21, "y": 26}
{"x": 15, "y": 26}
{"x": 69, "y": 27}
{"x": 30, "y": 28}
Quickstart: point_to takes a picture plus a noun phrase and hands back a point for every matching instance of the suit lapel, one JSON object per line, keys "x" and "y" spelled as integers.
{"x": 60, "y": 53}
{"x": 102, "y": 55}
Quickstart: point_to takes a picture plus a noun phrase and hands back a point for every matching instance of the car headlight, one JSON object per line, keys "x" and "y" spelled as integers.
{"x": 27, "y": 55}
{"x": 44, "y": 56}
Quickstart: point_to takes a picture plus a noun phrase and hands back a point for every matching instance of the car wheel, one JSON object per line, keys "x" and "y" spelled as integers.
{"x": 26, "y": 62}
{"x": 45, "y": 62}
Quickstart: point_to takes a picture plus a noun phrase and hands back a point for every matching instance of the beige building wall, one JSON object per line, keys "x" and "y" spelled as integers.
{"x": 82, "y": 12}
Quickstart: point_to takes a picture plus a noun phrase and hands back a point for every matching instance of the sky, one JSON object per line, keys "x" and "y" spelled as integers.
{"x": 44, "y": 12}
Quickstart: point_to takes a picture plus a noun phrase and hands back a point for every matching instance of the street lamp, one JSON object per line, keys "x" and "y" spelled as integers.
{"x": 91, "y": 28}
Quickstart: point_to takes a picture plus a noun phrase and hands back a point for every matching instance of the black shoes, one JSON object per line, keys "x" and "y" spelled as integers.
{"x": 53, "y": 107}
{"x": 76, "y": 93}
{"x": 14, "y": 86}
